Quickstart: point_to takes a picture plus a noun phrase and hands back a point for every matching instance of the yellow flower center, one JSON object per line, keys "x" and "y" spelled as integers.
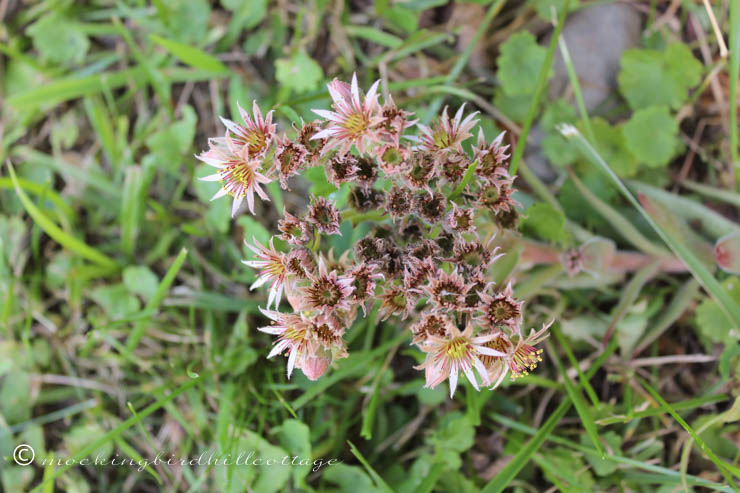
{"x": 356, "y": 124}
{"x": 238, "y": 176}
{"x": 256, "y": 142}
{"x": 458, "y": 348}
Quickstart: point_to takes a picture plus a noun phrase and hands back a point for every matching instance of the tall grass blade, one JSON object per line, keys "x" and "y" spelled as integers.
{"x": 723, "y": 467}
{"x": 713, "y": 287}
{"x": 734, "y": 74}
{"x": 379, "y": 481}
{"x": 190, "y": 55}
{"x": 118, "y": 431}
{"x": 509, "y": 472}
{"x": 576, "y": 397}
{"x": 153, "y": 304}
{"x": 55, "y": 232}
{"x": 620, "y": 224}
{"x": 461, "y": 62}
{"x": 539, "y": 89}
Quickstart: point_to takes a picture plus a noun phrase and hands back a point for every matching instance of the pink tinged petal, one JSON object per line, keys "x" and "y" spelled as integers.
{"x": 250, "y": 204}
{"x": 481, "y": 370}
{"x": 221, "y": 192}
{"x": 501, "y": 378}
{"x": 458, "y": 115}
{"x": 243, "y": 113}
{"x": 291, "y": 361}
{"x": 471, "y": 377}
{"x": 328, "y": 115}
{"x": 216, "y": 177}
{"x": 233, "y": 127}
{"x": 216, "y": 163}
{"x": 323, "y": 134}
{"x": 278, "y": 296}
{"x": 488, "y": 351}
{"x": 255, "y": 264}
{"x": 482, "y": 338}
{"x": 261, "y": 194}
{"x": 235, "y": 205}
{"x": 257, "y": 113}
{"x": 453, "y": 381}
{"x": 277, "y": 349}
{"x": 259, "y": 282}
{"x": 334, "y": 91}
{"x": 272, "y": 330}
{"x": 481, "y": 138}
{"x": 371, "y": 93}
{"x": 270, "y": 297}
{"x": 468, "y": 119}
{"x": 259, "y": 248}
{"x": 314, "y": 367}
{"x": 355, "y": 90}
{"x": 270, "y": 314}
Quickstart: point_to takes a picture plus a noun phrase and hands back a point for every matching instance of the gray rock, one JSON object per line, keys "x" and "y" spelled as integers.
{"x": 596, "y": 38}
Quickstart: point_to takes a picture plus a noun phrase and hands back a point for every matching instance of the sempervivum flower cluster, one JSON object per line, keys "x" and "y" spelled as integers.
{"x": 424, "y": 260}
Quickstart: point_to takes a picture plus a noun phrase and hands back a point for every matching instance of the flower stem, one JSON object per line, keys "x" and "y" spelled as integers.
{"x": 316, "y": 240}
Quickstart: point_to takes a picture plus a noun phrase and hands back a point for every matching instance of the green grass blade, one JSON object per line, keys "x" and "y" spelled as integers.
{"x": 127, "y": 449}
{"x": 679, "y": 304}
{"x": 41, "y": 190}
{"x": 190, "y": 55}
{"x": 92, "y": 176}
{"x": 118, "y": 431}
{"x": 131, "y": 208}
{"x": 157, "y": 80}
{"x": 153, "y": 304}
{"x": 509, "y": 472}
{"x": 699, "y": 271}
{"x": 721, "y": 465}
{"x": 585, "y": 384}
{"x": 461, "y": 62}
{"x": 60, "y": 90}
{"x": 431, "y": 478}
{"x": 656, "y": 411}
{"x": 368, "y": 419}
{"x": 734, "y": 74}
{"x": 355, "y": 364}
{"x": 576, "y": 85}
{"x": 375, "y": 35}
{"x": 713, "y": 192}
{"x": 467, "y": 177}
{"x": 55, "y": 232}
{"x": 711, "y": 222}
{"x": 539, "y": 89}
{"x": 676, "y": 227}
{"x": 379, "y": 481}
{"x": 664, "y": 473}
{"x": 421, "y": 40}
{"x": 630, "y": 292}
{"x": 101, "y": 123}
{"x": 576, "y": 397}
{"x": 620, "y": 224}
{"x": 48, "y": 472}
